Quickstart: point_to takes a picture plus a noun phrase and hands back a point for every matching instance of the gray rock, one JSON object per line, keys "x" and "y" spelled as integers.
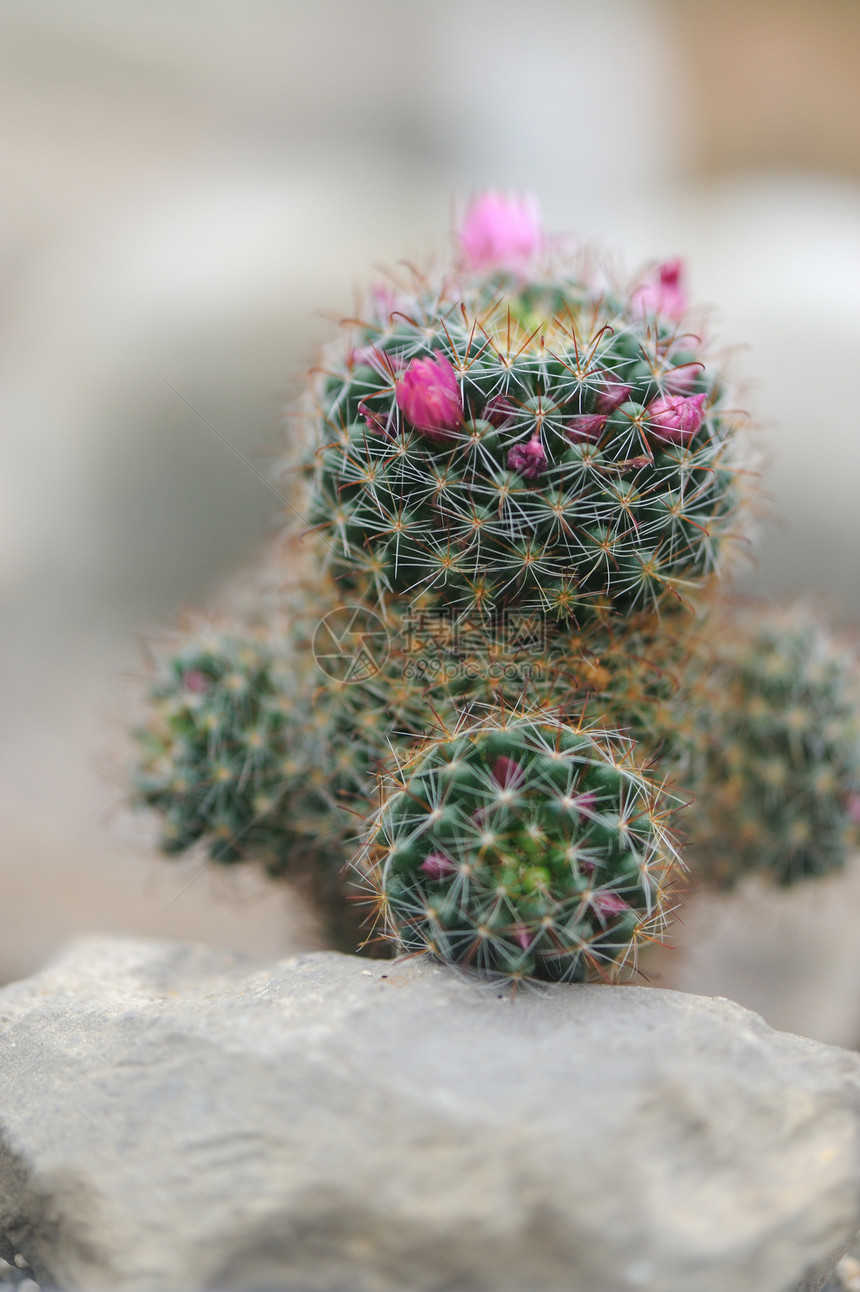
{"x": 177, "y": 1118}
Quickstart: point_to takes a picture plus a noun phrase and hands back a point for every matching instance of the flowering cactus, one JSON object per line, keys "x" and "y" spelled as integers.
{"x": 531, "y": 479}
{"x": 523, "y": 443}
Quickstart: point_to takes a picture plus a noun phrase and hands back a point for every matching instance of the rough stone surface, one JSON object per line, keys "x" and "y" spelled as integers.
{"x": 174, "y": 1117}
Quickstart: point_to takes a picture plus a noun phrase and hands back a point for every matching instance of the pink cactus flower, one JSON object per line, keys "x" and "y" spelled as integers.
{"x": 611, "y": 395}
{"x": 528, "y": 460}
{"x": 854, "y": 808}
{"x": 499, "y": 412}
{"x": 429, "y": 398}
{"x": 195, "y": 681}
{"x": 608, "y": 904}
{"x": 585, "y": 427}
{"x": 508, "y": 773}
{"x": 437, "y": 866}
{"x": 501, "y": 231}
{"x": 664, "y": 293}
{"x": 675, "y": 419}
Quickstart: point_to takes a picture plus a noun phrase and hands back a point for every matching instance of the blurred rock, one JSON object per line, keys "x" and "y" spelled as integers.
{"x": 175, "y": 1117}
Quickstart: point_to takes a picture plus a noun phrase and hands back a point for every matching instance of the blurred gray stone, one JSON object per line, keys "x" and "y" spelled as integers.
{"x": 173, "y": 1117}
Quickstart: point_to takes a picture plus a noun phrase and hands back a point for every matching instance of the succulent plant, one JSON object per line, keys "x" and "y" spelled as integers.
{"x": 523, "y": 480}
{"x": 519, "y": 844}
{"x": 225, "y": 742}
{"x": 776, "y": 770}
{"x": 524, "y": 438}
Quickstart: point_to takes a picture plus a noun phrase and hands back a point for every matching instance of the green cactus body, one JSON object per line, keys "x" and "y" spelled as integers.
{"x": 777, "y": 762}
{"x": 231, "y": 752}
{"x": 521, "y": 845}
{"x": 552, "y": 484}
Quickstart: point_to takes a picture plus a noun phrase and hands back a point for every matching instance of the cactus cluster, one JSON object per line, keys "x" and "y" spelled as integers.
{"x": 506, "y": 664}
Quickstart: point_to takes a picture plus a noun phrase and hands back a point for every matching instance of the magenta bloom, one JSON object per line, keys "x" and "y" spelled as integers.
{"x": 501, "y": 232}
{"x": 674, "y": 419}
{"x": 585, "y": 426}
{"x": 608, "y": 904}
{"x": 854, "y": 808}
{"x": 429, "y": 398}
{"x": 508, "y": 772}
{"x": 664, "y": 293}
{"x": 195, "y": 681}
{"x": 437, "y": 866}
{"x": 611, "y": 395}
{"x": 528, "y": 460}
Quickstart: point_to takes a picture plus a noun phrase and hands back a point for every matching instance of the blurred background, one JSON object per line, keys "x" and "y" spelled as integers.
{"x": 183, "y": 185}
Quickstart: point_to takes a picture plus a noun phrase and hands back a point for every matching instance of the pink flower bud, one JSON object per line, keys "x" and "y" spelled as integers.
{"x": 854, "y": 808}
{"x": 429, "y": 398}
{"x": 585, "y": 426}
{"x": 675, "y": 419}
{"x": 499, "y": 412}
{"x": 611, "y": 395}
{"x": 608, "y": 904}
{"x": 508, "y": 772}
{"x": 664, "y": 293}
{"x": 528, "y": 460}
{"x": 501, "y": 231}
{"x": 437, "y": 866}
{"x": 195, "y": 681}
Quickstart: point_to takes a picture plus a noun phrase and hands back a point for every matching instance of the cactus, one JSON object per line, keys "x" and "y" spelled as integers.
{"x": 545, "y": 444}
{"x": 222, "y": 749}
{"x": 777, "y": 751}
{"x": 522, "y": 845}
{"x": 531, "y": 478}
